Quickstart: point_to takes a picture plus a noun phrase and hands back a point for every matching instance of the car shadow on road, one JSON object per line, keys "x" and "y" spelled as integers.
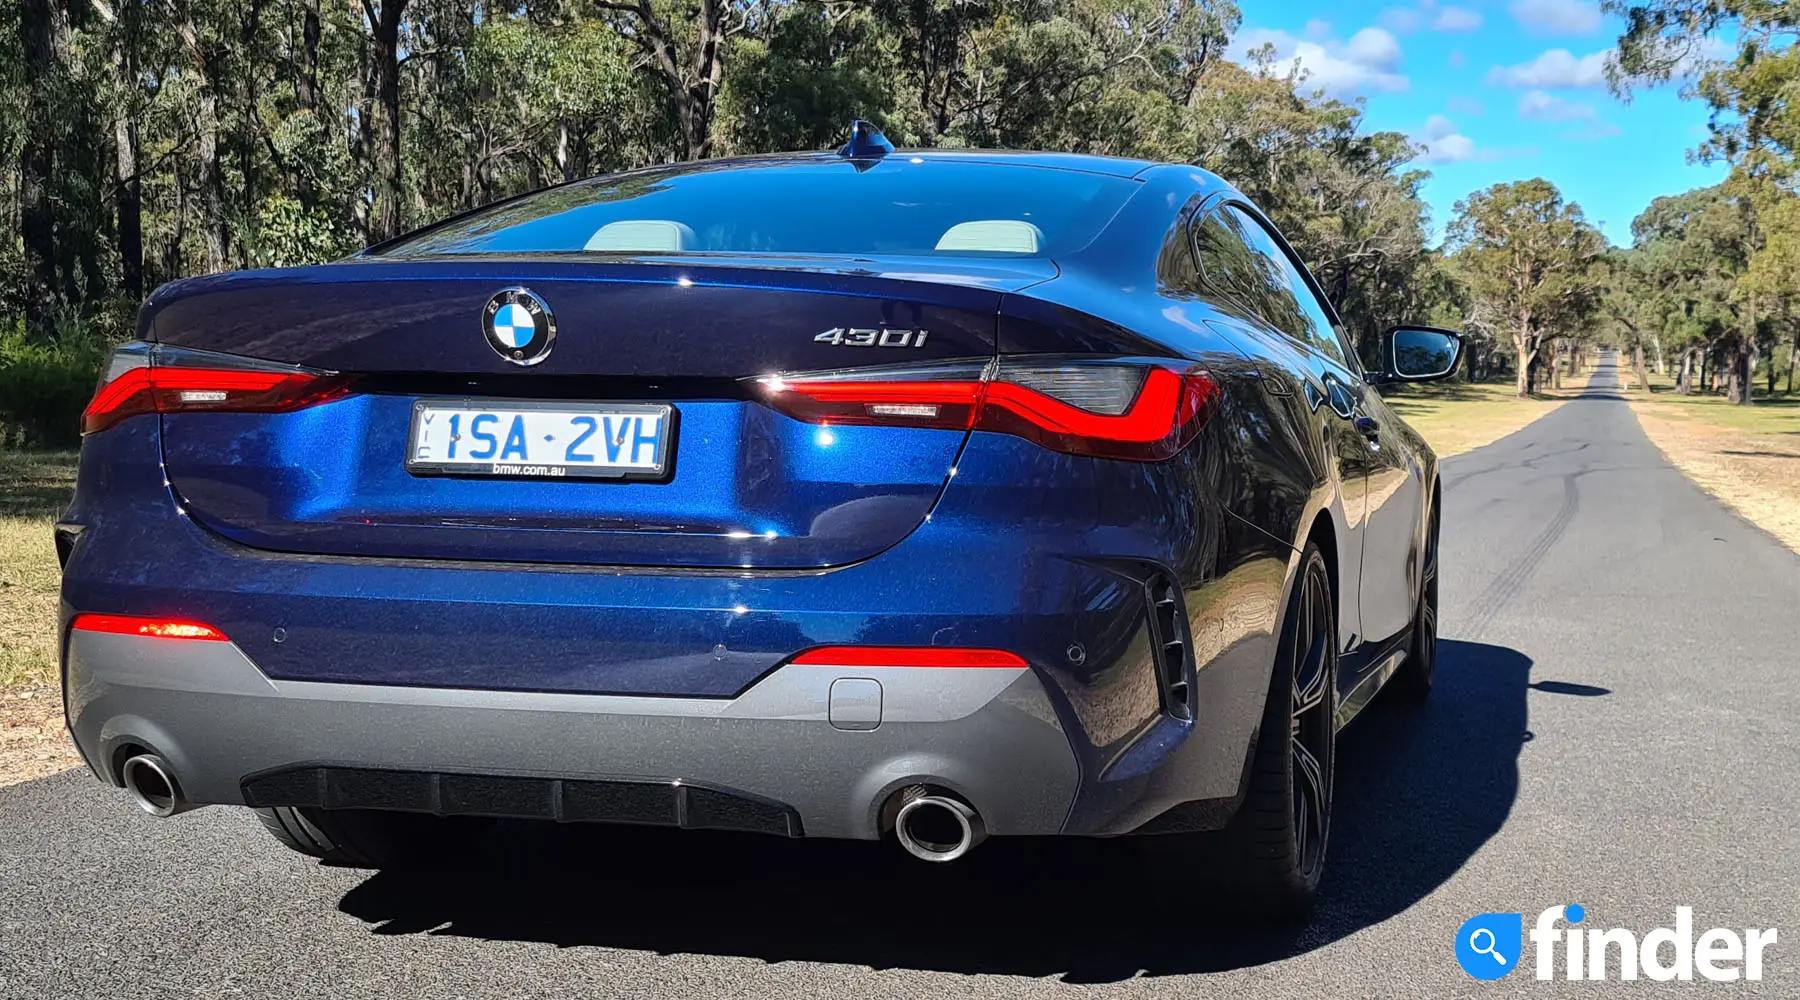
{"x": 1419, "y": 791}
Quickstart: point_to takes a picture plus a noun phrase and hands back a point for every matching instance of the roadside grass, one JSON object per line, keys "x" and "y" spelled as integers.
{"x": 1455, "y": 417}
{"x": 1747, "y": 456}
{"x": 1767, "y": 414}
{"x": 34, "y": 488}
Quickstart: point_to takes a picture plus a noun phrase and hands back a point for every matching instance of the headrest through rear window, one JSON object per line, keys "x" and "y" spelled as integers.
{"x": 992, "y": 235}
{"x": 641, "y": 236}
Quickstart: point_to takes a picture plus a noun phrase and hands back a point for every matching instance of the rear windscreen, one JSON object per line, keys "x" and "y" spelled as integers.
{"x": 899, "y": 205}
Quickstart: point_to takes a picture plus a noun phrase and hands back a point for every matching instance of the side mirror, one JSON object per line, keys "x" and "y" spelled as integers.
{"x": 1419, "y": 354}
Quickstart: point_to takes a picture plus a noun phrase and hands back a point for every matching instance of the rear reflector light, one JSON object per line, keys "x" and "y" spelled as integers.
{"x": 909, "y": 656}
{"x": 161, "y": 628}
{"x": 1143, "y": 412}
{"x": 175, "y": 381}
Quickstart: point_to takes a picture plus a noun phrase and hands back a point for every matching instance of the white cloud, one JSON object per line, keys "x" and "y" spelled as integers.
{"x": 1466, "y": 105}
{"x": 1555, "y": 68}
{"x": 1557, "y": 17}
{"x": 1428, "y": 13}
{"x": 1453, "y": 18}
{"x": 1443, "y": 143}
{"x": 1368, "y": 61}
{"x": 1402, "y": 20}
{"x": 1543, "y": 107}
{"x": 1539, "y": 106}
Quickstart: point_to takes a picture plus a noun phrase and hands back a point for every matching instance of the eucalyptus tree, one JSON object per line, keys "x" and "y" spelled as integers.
{"x": 1528, "y": 255}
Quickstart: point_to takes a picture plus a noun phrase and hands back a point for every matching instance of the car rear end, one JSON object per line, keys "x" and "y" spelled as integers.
{"x": 723, "y": 535}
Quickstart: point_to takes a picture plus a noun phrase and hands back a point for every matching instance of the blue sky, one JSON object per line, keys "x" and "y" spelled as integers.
{"x": 1496, "y": 90}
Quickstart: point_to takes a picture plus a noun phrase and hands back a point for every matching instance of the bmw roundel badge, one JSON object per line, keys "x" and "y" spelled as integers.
{"x": 518, "y": 326}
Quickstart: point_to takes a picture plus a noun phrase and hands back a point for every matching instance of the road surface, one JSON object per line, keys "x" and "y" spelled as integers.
{"x": 1615, "y": 726}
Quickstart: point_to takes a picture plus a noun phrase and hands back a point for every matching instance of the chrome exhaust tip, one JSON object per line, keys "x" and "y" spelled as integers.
{"x": 935, "y": 826}
{"x": 150, "y": 784}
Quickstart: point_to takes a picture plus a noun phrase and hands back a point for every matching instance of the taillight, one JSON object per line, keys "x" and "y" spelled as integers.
{"x": 1142, "y": 411}
{"x": 171, "y": 380}
{"x": 158, "y": 628}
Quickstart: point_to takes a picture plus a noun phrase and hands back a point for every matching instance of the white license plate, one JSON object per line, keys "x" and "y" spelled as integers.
{"x": 528, "y": 438}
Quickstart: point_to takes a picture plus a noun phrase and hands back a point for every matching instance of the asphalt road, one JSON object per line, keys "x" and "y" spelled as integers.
{"x": 1615, "y": 726}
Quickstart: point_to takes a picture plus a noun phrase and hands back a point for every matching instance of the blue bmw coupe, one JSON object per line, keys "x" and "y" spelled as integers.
{"x": 927, "y": 496}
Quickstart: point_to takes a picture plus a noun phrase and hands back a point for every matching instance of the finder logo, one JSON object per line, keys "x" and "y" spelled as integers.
{"x": 1488, "y": 946}
{"x": 1491, "y": 945}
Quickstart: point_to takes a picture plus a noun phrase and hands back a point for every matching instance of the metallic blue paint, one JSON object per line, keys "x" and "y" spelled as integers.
{"x": 258, "y": 524}
{"x": 750, "y": 488}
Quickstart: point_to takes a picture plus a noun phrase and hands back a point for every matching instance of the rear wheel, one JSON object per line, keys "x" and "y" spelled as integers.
{"x": 361, "y": 838}
{"x": 1272, "y": 854}
{"x": 1415, "y": 675}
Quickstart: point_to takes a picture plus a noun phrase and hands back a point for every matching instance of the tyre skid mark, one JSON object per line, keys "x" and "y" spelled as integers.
{"x": 1503, "y": 588}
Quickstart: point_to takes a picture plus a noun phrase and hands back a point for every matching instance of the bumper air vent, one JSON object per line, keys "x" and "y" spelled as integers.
{"x": 656, "y": 803}
{"x": 1168, "y": 629}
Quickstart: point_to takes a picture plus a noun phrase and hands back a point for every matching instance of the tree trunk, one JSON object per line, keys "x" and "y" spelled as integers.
{"x": 384, "y": 136}
{"x": 1737, "y": 387}
{"x": 212, "y": 220}
{"x": 129, "y": 195}
{"x": 212, "y": 181}
{"x": 246, "y": 94}
{"x": 45, "y": 37}
{"x": 1743, "y": 363}
{"x": 1793, "y": 355}
{"x": 1524, "y": 369}
{"x": 172, "y": 263}
{"x": 694, "y": 86}
{"x": 306, "y": 94}
{"x": 128, "y": 190}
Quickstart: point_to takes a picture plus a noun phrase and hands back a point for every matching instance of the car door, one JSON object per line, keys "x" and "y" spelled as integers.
{"x": 1271, "y": 303}
{"x": 1387, "y": 509}
{"x": 1395, "y": 511}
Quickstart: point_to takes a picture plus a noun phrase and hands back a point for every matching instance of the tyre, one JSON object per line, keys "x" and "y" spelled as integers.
{"x": 1269, "y": 858}
{"x": 359, "y": 838}
{"x": 1413, "y": 680}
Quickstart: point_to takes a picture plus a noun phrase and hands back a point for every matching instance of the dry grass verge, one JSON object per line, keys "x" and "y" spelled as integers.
{"x": 1457, "y": 417}
{"x": 34, "y": 488}
{"x": 1747, "y": 456}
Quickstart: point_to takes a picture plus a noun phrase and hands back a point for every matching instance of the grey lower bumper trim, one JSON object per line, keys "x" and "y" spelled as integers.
{"x": 988, "y": 735}
{"x": 564, "y": 800}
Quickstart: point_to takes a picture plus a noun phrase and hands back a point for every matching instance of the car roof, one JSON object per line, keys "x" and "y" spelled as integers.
{"x": 1113, "y": 166}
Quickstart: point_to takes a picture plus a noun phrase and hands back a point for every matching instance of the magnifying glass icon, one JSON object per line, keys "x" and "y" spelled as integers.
{"x": 1478, "y": 948}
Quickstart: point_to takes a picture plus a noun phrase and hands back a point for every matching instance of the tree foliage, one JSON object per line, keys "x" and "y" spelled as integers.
{"x": 145, "y": 140}
{"x": 1530, "y": 259}
{"x": 1733, "y": 277}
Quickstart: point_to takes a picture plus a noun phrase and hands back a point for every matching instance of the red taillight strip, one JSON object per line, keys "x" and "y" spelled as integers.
{"x": 909, "y": 656}
{"x": 1153, "y": 414}
{"x": 180, "y": 389}
{"x": 161, "y": 628}
{"x": 1169, "y": 410}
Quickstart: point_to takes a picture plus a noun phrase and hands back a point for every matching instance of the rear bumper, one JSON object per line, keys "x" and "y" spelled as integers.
{"x": 798, "y": 743}
{"x": 554, "y": 674}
